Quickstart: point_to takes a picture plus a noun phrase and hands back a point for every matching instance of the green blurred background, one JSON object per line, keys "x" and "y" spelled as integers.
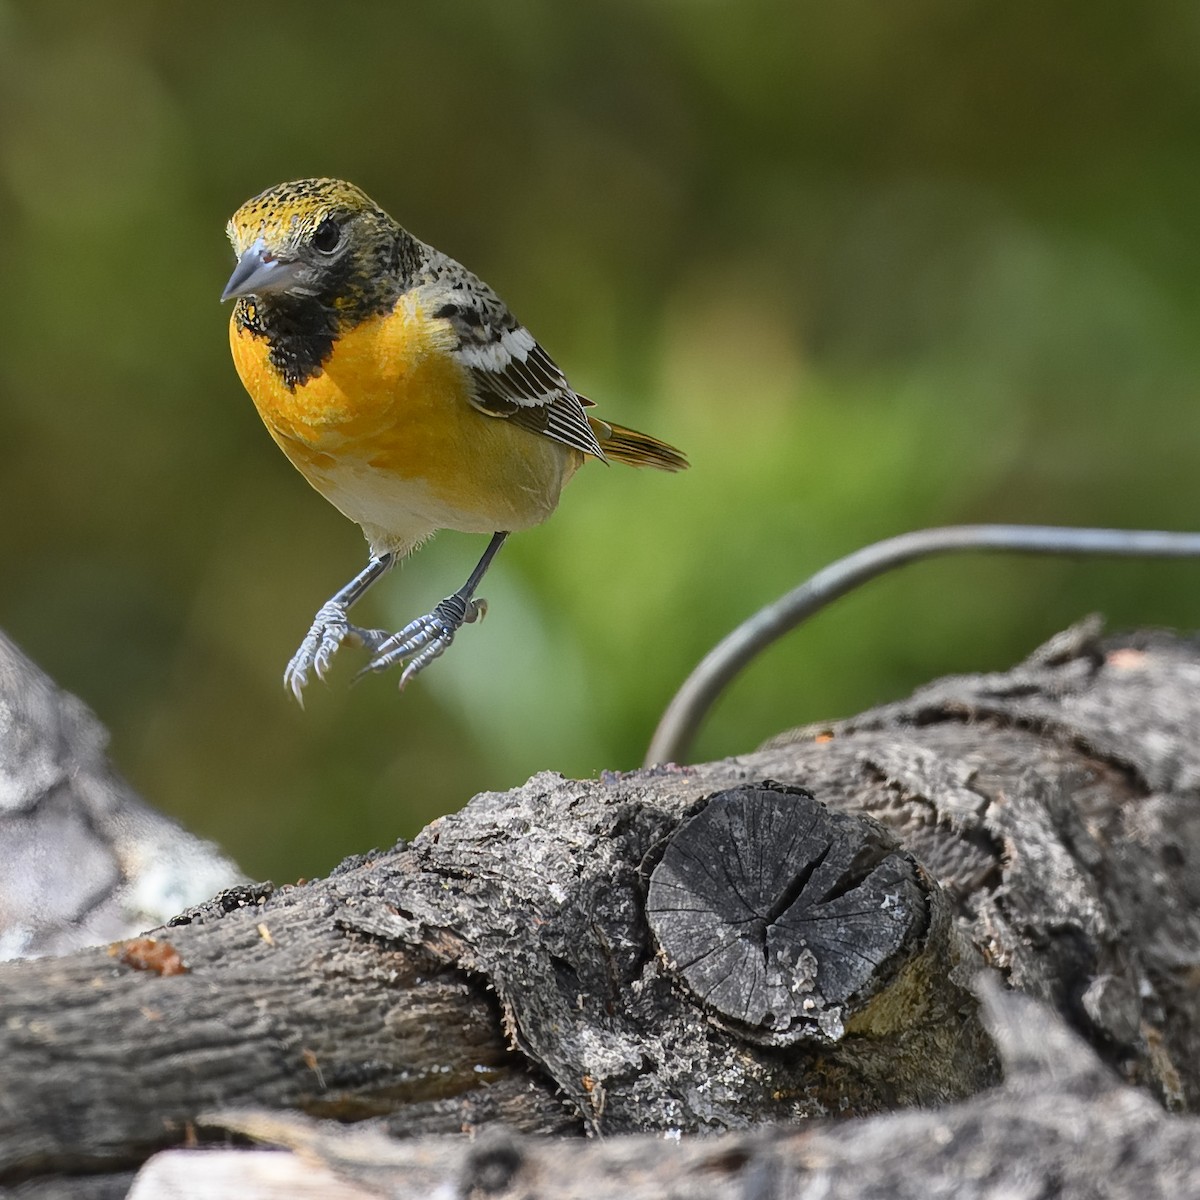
{"x": 874, "y": 266}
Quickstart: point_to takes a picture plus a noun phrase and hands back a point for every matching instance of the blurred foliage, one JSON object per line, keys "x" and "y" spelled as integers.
{"x": 873, "y": 266}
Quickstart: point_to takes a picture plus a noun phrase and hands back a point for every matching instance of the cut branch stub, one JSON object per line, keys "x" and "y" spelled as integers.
{"x": 777, "y": 912}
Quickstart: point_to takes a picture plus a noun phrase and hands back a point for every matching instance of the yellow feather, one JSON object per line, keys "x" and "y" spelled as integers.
{"x": 386, "y": 432}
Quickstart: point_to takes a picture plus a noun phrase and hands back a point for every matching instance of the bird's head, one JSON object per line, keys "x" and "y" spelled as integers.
{"x": 316, "y": 239}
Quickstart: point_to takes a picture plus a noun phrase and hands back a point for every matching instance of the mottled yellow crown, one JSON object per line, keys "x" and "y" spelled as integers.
{"x": 289, "y": 212}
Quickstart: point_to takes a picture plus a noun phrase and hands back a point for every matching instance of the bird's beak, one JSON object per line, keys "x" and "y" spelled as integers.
{"x": 259, "y": 273}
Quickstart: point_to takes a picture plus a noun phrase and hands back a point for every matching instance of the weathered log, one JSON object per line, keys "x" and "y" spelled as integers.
{"x": 523, "y": 960}
{"x": 367, "y": 992}
{"x": 1060, "y": 1125}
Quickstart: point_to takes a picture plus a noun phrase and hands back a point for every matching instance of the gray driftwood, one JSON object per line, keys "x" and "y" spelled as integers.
{"x": 540, "y": 960}
{"x": 82, "y": 859}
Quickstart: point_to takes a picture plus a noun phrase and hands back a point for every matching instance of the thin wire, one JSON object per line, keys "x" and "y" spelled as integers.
{"x": 691, "y": 703}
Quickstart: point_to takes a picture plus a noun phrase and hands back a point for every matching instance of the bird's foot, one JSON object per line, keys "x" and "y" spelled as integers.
{"x": 330, "y": 629}
{"x": 422, "y": 640}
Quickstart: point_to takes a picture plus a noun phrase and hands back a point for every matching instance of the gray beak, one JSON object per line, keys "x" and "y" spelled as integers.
{"x": 259, "y": 273}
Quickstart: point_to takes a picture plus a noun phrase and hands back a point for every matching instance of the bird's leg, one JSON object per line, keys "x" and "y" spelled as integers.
{"x": 427, "y": 637}
{"x": 331, "y": 627}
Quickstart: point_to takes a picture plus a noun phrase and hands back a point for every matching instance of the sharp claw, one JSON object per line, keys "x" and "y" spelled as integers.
{"x": 420, "y": 642}
{"x": 423, "y": 640}
{"x": 324, "y": 655}
{"x": 434, "y": 650}
{"x": 330, "y": 628}
{"x": 416, "y": 639}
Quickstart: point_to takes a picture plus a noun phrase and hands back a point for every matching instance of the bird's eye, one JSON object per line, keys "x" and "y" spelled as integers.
{"x": 327, "y": 235}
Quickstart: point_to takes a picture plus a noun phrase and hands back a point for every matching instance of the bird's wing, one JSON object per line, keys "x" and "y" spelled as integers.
{"x": 513, "y": 378}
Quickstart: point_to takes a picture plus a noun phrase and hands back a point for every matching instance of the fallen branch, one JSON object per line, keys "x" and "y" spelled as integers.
{"x": 779, "y": 936}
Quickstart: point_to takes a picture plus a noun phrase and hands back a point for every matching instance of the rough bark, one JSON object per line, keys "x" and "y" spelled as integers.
{"x": 545, "y": 957}
{"x": 1060, "y": 1125}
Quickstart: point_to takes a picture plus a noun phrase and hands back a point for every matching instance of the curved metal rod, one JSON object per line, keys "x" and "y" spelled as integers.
{"x": 691, "y": 703}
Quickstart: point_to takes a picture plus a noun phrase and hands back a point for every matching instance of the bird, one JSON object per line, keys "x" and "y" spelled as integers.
{"x": 408, "y": 395}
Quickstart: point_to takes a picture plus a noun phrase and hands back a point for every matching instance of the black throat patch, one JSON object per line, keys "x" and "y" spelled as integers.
{"x": 300, "y": 333}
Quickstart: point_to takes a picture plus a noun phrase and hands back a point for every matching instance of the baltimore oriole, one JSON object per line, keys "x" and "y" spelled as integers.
{"x": 407, "y": 394}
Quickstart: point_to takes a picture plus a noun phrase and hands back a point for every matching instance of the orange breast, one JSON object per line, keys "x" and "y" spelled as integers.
{"x": 386, "y": 432}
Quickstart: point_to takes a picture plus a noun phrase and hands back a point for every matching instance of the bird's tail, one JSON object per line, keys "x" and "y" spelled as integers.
{"x": 636, "y": 449}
